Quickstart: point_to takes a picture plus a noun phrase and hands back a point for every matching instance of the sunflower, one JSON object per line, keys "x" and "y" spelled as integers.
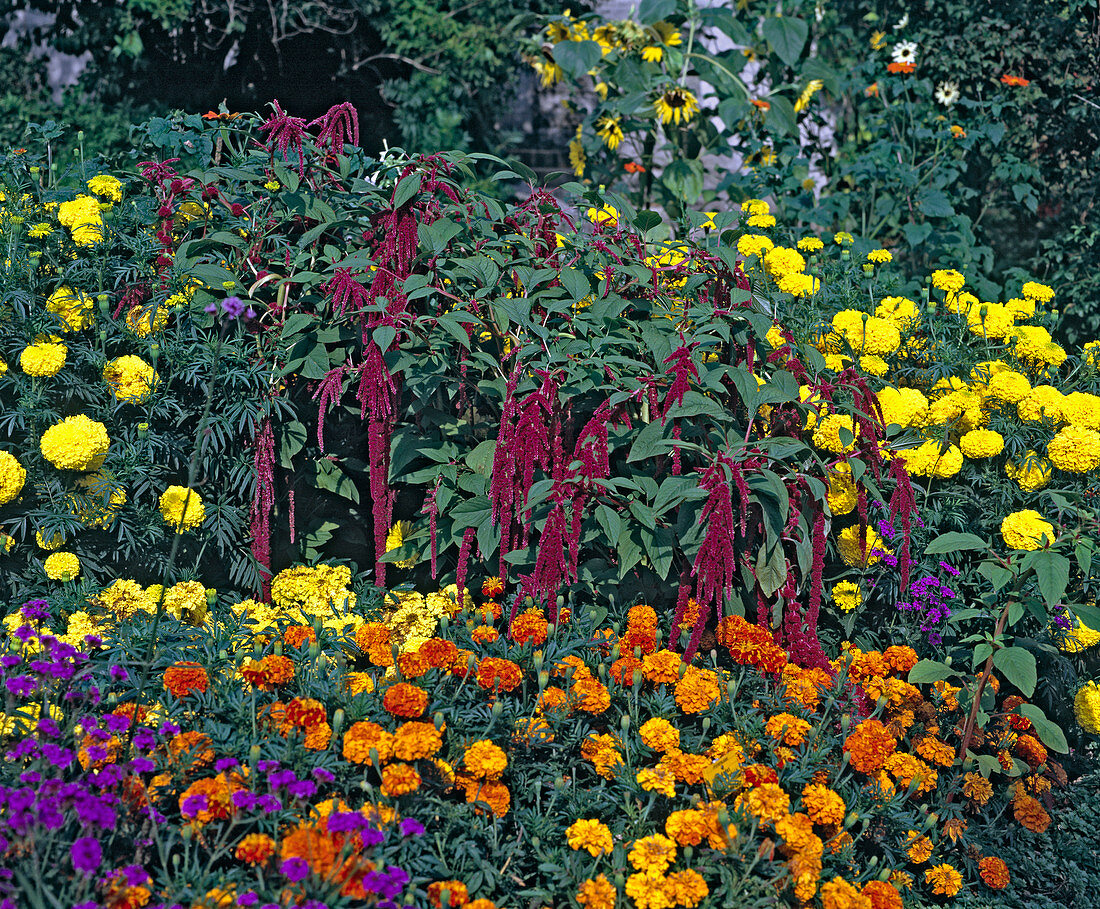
{"x": 676, "y": 104}
{"x": 608, "y": 129}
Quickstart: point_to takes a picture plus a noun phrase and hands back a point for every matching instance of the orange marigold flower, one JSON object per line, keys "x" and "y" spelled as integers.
{"x": 297, "y": 635}
{"x": 415, "y": 740}
{"x": 945, "y": 880}
{"x": 485, "y": 760}
{"x": 268, "y": 673}
{"x": 406, "y": 700}
{"x": 454, "y": 892}
{"x": 412, "y": 665}
{"x": 364, "y": 737}
{"x": 1018, "y": 81}
{"x": 305, "y": 713}
{"x": 530, "y": 626}
{"x": 869, "y": 745}
{"x": 657, "y": 779}
{"x": 697, "y": 691}
{"x": 689, "y": 827}
{"x": 839, "y": 894}
{"x": 492, "y": 588}
{"x": 882, "y": 894}
{"x": 652, "y": 853}
{"x": 484, "y": 634}
{"x": 909, "y": 770}
{"x": 197, "y": 745}
{"x": 255, "y": 849}
{"x": 438, "y": 653}
{"x": 399, "y": 779}
{"x": 318, "y": 737}
{"x": 590, "y": 835}
{"x": 687, "y": 768}
{"x": 759, "y": 774}
{"x": 662, "y": 667}
{"x": 918, "y": 847}
{"x": 1027, "y": 810}
{"x": 768, "y": 803}
{"x": 210, "y": 798}
{"x": 932, "y": 749}
{"x": 184, "y": 677}
{"x": 994, "y": 872}
{"x": 623, "y": 669}
{"x": 603, "y": 752}
{"x": 481, "y": 903}
{"x": 373, "y": 638}
{"x": 496, "y": 675}
{"x": 597, "y": 893}
{"x": 591, "y": 695}
{"x": 977, "y": 788}
{"x": 686, "y": 888}
{"x": 823, "y": 805}
{"x": 493, "y": 793}
{"x": 1031, "y": 750}
{"x": 659, "y": 734}
{"x": 900, "y": 658}
{"x": 359, "y": 683}
{"x": 787, "y": 728}
{"x": 552, "y": 699}
{"x": 750, "y": 645}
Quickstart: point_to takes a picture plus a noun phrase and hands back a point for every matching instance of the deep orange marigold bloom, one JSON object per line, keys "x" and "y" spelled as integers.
{"x": 839, "y": 894}
{"x": 932, "y": 749}
{"x": 406, "y": 700}
{"x": 530, "y": 626}
{"x": 493, "y": 793}
{"x": 210, "y": 798}
{"x": 415, "y": 740}
{"x": 659, "y": 734}
{"x": 591, "y": 696}
{"x": 1030, "y": 813}
{"x": 456, "y": 894}
{"x": 399, "y": 779}
{"x": 823, "y": 805}
{"x": 750, "y": 645}
{"x": 363, "y": 737}
{"x": 552, "y": 699}
{"x": 882, "y": 894}
{"x": 1031, "y": 750}
{"x": 759, "y": 774}
{"x": 495, "y": 674}
{"x": 268, "y": 673}
{"x": 438, "y": 652}
{"x": 485, "y": 760}
{"x": 901, "y": 659}
{"x": 768, "y": 803}
{"x": 994, "y": 872}
{"x": 869, "y": 745}
{"x": 373, "y": 638}
{"x": 255, "y": 849}
{"x": 697, "y": 691}
{"x": 412, "y": 665}
{"x": 492, "y": 588}
{"x": 687, "y": 768}
{"x": 304, "y": 713}
{"x": 184, "y": 677}
{"x": 197, "y": 745}
{"x": 484, "y": 634}
{"x": 299, "y": 635}
{"x": 689, "y": 827}
{"x": 787, "y": 728}
{"x": 598, "y": 892}
{"x": 662, "y": 667}
{"x": 622, "y": 670}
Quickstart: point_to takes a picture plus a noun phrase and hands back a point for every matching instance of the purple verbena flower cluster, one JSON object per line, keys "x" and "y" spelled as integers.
{"x": 929, "y": 602}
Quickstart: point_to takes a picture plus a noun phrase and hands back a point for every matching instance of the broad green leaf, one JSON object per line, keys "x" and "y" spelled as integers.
{"x": 575, "y": 284}
{"x": 650, "y": 11}
{"x": 1052, "y": 573}
{"x": 926, "y": 671}
{"x": 952, "y": 542}
{"x": 480, "y": 460}
{"x": 787, "y": 36}
{"x": 577, "y": 57}
{"x": 1050, "y": 733}
{"x": 406, "y": 189}
{"x": 1018, "y": 666}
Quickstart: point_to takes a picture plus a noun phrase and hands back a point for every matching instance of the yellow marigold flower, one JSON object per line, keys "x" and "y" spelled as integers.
{"x": 810, "y": 244}
{"x": 186, "y": 601}
{"x": 1020, "y": 309}
{"x": 945, "y": 880}
{"x": 842, "y": 495}
{"x": 1009, "y": 386}
{"x": 76, "y": 443}
{"x": 847, "y": 595}
{"x": 826, "y": 435}
{"x": 130, "y": 377}
{"x": 43, "y": 358}
{"x": 676, "y": 104}
{"x": 657, "y": 779}
{"x": 62, "y": 566}
{"x": 1034, "y": 346}
{"x": 12, "y": 477}
{"x": 783, "y": 261}
{"x": 652, "y": 853}
{"x": 767, "y": 802}
{"x": 931, "y": 460}
{"x": 990, "y": 320}
{"x": 1038, "y": 292}
{"x": 1081, "y": 409}
{"x": 1079, "y": 638}
{"x": 902, "y": 406}
{"x": 853, "y": 554}
{"x": 1090, "y": 353}
{"x": 755, "y": 207}
{"x": 797, "y": 284}
{"x": 182, "y": 508}
{"x": 1075, "y": 450}
{"x": 843, "y": 238}
{"x": 948, "y": 280}
{"x": 81, "y": 210}
{"x": 123, "y": 598}
{"x": 145, "y": 320}
{"x": 590, "y": 835}
{"x": 754, "y": 245}
{"x": 1026, "y": 530}
{"x": 1032, "y": 473}
{"x": 659, "y": 734}
{"x": 106, "y": 186}
{"x": 760, "y": 221}
{"x": 879, "y": 256}
{"x": 982, "y": 443}
{"x": 597, "y": 893}
{"x": 74, "y": 308}
{"x": 1086, "y": 706}
{"x": 902, "y": 311}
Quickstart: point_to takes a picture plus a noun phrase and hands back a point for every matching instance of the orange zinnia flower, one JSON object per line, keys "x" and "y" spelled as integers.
{"x": 761, "y": 105}
{"x": 900, "y": 67}
{"x": 1015, "y": 80}
{"x": 633, "y": 167}
{"x": 183, "y": 678}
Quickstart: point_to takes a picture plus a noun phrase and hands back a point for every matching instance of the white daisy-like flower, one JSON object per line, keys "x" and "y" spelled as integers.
{"x": 947, "y": 93}
{"x": 904, "y": 52}
{"x": 902, "y": 22}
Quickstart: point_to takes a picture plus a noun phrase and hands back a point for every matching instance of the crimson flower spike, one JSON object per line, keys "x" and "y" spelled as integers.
{"x": 284, "y": 132}
{"x": 337, "y": 124}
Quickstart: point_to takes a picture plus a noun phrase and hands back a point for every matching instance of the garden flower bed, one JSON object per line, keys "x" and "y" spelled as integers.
{"x": 369, "y": 541}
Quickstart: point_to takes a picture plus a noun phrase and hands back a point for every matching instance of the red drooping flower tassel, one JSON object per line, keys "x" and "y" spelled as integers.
{"x": 263, "y": 460}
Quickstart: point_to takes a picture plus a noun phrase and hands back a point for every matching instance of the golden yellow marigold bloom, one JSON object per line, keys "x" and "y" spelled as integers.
{"x": 1086, "y": 707}
{"x": 43, "y": 358}
{"x": 843, "y": 238}
{"x": 879, "y": 256}
{"x": 823, "y": 805}
{"x": 1079, "y": 637}
{"x": 755, "y": 207}
{"x": 1032, "y": 290}
{"x": 1090, "y": 353}
{"x": 130, "y": 377}
{"x": 754, "y": 245}
{"x": 948, "y": 280}
{"x": 1034, "y": 346}
{"x": 798, "y": 284}
{"x": 782, "y": 260}
{"x": 826, "y": 434}
{"x": 123, "y": 598}
{"x": 1081, "y": 409}
{"x": 1009, "y": 386}
{"x": 842, "y": 495}
{"x": 144, "y": 320}
{"x": 1075, "y": 450}
{"x": 1032, "y": 473}
{"x": 76, "y": 443}
{"x": 106, "y": 186}
{"x": 659, "y": 734}
{"x": 597, "y": 893}
{"x": 62, "y": 566}
{"x": 903, "y": 406}
{"x": 760, "y": 221}
{"x": 12, "y": 477}
{"x": 931, "y": 460}
{"x": 839, "y": 894}
{"x": 1026, "y": 530}
{"x": 945, "y": 880}
{"x": 590, "y": 835}
{"x": 810, "y": 244}
{"x": 182, "y": 508}
{"x": 990, "y": 320}
{"x": 652, "y": 853}
{"x": 848, "y": 542}
{"x": 847, "y": 595}
{"x": 982, "y": 443}
{"x": 74, "y": 308}
{"x": 485, "y": 760}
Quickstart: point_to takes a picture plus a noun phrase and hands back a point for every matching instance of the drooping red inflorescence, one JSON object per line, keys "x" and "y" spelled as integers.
{"x": 338, "y": 123}
{"x": 345, "y": 292}
{"x": 285, "y": 132}
{"x": 263, "y": 462}
{"x": 377, "y": 394}
{"x": 328, "y": 393}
